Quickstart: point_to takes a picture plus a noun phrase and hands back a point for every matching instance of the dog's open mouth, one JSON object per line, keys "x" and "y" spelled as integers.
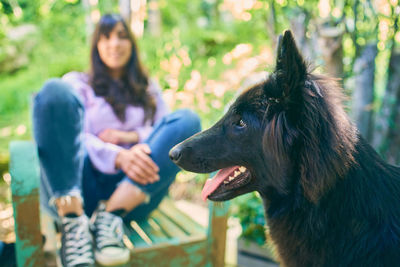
{"x": 225, "y": 180}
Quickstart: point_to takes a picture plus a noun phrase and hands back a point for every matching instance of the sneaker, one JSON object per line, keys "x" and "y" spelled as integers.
{"x": 108, "y": 234}
{"x": 76, "y": 241}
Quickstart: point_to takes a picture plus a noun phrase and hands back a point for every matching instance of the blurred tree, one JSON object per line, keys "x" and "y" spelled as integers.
{"x": 125, "y": 10}
{"x": 386, "y": 137}
{"x": 135, "y": 13}
{"x": 330, "y": 42}
{"x": 392, "y": 152}
{"x": 154, "y": 18}
{"x": 271, "y": 22}
{"x": 364, "y": 36}
{"x": 347, "y": 43}
{"x": 363, "y": 92}
{"x": 92, "y": 15}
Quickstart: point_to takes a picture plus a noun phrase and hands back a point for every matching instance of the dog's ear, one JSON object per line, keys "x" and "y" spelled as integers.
{"x": 290, "y": 70}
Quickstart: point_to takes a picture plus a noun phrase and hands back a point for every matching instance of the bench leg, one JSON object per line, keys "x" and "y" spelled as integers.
{"x": 24, "y": 169}
{"x": 217, "y": 232}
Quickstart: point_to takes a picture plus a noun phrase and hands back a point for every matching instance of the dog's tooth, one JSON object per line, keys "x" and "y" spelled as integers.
{"x": 231, "y": 178}
{"x": 226, "y": 182}
{"x": 242, "y": 168}
{"x": 237, "y": 173}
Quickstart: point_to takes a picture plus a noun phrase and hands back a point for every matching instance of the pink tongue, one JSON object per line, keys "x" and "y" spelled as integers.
{"x": 212, "y": 184}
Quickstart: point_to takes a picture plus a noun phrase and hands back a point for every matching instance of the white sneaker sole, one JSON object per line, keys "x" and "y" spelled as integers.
{"x": 110, "y": 260}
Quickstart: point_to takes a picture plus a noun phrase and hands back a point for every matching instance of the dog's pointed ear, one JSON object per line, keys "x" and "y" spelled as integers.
{"x": 290, "y": 70}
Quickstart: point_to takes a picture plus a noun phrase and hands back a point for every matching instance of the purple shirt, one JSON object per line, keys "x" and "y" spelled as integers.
{"x": 100, "y": 116}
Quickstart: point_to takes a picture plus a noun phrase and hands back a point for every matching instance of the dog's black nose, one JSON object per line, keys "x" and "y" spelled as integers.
{"x": 175, "y": 154}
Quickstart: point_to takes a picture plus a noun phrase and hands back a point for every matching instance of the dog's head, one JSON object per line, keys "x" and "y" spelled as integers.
{"x": 286, "y": 133}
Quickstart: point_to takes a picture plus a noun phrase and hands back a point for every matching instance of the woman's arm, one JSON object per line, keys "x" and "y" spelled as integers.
{"x": 137, "y": 164}
{"x": 134, "y": 162}
{"x": 119, "y": 137}
{"x": 102, "y": 154}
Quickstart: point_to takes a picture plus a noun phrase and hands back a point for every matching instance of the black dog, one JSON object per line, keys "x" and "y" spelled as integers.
{"x": 329, "y": 199}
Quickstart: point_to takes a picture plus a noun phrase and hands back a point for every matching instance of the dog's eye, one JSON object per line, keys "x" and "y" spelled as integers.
{"x": 241, "y": 124}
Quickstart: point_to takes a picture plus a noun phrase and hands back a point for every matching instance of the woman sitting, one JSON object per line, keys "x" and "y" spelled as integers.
{"x": 103, "y": 140}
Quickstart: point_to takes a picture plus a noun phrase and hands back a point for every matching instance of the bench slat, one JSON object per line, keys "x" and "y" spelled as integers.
{"x": 168, "y": 226}
{"x": 138, "y": 240}
{"x": 151, "y": 228}
{"x": 192, "y": 253}
{"x": 182, "y": 220}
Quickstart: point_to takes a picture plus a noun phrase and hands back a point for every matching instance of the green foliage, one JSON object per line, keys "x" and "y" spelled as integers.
{"x": 188, "y": 26}
{"x": 63, "y": 47}
{"x": 250, "y": 212}
{"x": 57, "y": 52}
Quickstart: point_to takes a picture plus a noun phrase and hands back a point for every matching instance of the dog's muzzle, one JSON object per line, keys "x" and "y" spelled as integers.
{"x": 175, "y": 153}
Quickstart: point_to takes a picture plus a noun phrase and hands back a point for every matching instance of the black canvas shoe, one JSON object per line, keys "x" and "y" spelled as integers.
{"x": 108, "y": 235}
{"x": 76, "y": 241}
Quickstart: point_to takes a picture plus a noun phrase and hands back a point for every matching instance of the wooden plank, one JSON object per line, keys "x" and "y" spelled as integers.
{"x": 168, "y": 226}
{"x": 217, "y": 232}
{"x": 191, "y": 253}
{"x": 153, "y": 230}
{"x": 24, "y": 170}
{"x": 135, "y": 235}
{"x": 191, "y": 227}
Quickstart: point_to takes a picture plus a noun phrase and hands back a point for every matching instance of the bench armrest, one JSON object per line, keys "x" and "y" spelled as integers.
{"x": 217, "y": 230}
{"x": 25, "y": 179}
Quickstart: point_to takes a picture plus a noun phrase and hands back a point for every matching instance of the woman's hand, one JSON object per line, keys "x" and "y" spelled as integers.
{"x": 118, "y": 137}
{"x": 137, "y": 164}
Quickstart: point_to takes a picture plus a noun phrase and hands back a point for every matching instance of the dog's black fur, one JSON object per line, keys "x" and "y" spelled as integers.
{"x": 329, "y": 199}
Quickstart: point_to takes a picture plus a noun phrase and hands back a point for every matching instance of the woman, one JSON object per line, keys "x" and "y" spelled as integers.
{"x": 105, "y": 136}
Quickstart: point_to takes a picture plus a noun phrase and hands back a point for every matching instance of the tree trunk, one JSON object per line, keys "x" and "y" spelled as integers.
{"x": 154, "y": 18}
{"x": 138, "y": 14}
{"x": 392, "y": 146}
{"x": 363, "y": 93}
{"x": 270, "y": 22}
{"x": 384, "y": 124}
{"x": 125, "y": 10}
{"x": 299, "y": 27}
{"x": 88, "y": 19}
{"x": 330, "y": 44}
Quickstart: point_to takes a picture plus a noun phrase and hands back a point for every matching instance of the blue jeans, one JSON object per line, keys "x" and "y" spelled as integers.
{"x": 66, "y": 169}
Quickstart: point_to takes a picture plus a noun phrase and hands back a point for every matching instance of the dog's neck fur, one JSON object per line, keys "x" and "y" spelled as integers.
{"x": 327, "y": 141}
{"x": 331, "y": 155}
{"x": 305, "y": 232}
{"x": 319, "y": 146}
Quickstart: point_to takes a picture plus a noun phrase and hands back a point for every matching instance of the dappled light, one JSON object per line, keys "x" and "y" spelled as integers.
{"x": 7, "y": 223}
{"x": 324, "y": 8}
{"x": 208, "y": 94}
{"x": 239, "y": 8}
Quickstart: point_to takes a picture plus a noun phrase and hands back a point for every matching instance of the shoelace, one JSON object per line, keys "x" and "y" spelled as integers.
{"x": 78, "y": 243}
{"x": 108, "y": 230}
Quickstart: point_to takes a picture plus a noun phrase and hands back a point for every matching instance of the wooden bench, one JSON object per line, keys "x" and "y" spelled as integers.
{"x": 168, "y": 238}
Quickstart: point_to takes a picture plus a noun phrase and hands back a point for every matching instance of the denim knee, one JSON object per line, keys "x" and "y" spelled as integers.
{"x": 57, "y": 92}
{"x": 189, "y": 121}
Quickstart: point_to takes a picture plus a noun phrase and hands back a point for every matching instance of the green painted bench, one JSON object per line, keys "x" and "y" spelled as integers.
{"x": 168, "y": 238}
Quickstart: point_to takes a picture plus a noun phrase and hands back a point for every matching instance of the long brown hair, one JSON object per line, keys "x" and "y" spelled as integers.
{"x": 131, "y": 88}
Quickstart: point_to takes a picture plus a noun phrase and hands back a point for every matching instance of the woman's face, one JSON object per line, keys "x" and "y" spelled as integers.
{"x": 116, "y": 49}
